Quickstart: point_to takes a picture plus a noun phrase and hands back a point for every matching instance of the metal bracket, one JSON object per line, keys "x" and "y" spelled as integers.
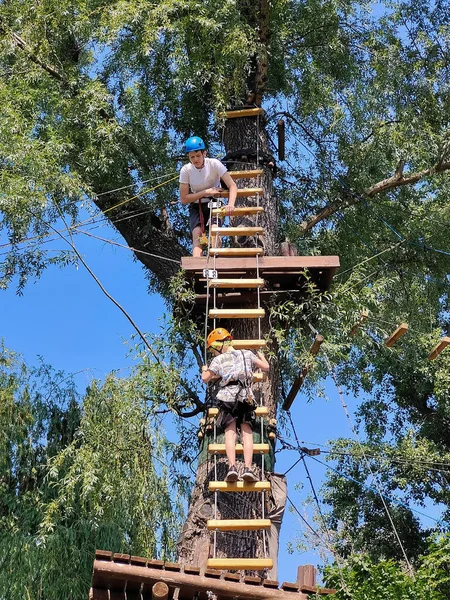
{"x": 217, "y": 203}
{"x": 210, "y": 273}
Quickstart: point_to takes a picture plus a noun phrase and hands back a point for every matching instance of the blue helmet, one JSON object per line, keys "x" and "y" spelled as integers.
{"x": 194, "y": 143}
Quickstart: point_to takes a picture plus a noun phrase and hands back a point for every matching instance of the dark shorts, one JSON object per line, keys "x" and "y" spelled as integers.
{"x": 241, "y": 413}
{"x": 194, "y": 215}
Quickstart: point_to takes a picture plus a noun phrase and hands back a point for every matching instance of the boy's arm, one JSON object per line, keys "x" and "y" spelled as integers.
{"x": 187, "y": 198}
{"x": 208, "y": 375}
{"x": 261, "y": 362}
{"x": 232, "y": 189}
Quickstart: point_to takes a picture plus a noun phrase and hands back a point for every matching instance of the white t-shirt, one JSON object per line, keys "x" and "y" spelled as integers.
{"x": 206, "y": 177}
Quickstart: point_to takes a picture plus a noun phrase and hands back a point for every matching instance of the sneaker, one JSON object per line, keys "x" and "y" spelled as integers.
{"x": 232, "y": 475}
{"x": 249, "y": 476}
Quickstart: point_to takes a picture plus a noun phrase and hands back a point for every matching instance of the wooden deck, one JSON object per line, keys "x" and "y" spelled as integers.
{"x": 125, "y": 577}
{"x": 283, "y": 275}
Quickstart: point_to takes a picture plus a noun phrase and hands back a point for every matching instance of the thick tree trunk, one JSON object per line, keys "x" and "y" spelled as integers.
{"x": 196, "y": 542}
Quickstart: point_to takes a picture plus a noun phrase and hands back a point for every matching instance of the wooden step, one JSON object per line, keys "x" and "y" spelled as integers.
{"x": 238, "y": 486}
{"x": 233, "y": 252}
{"x": 240, "y": 210}
{"x": 236, "y": 313}
{"x": 237, "y": 524}
{"x": 220, "y": 448}
{"x": 258, "y": 377}
{"x": 236, "y": 283}
{"x": 260, "y": 411}
{"x": 241, "y": 192}
{"x": 250, "y": 564}
{"x": 249, "y": 344}
{"x": 228, "y": 231}
{"x": 243, "y": 112}
{"x": 246, "y": 174}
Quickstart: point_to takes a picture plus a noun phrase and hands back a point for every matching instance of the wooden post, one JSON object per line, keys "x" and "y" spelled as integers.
{"x": 401, "y": 330}
{"x": 363, "y": 316}
{"x": 281, "y": 139}
{"x": 444, "y": 342}
{"x": 318, "y": 340}
{"x": 160, "y": 591}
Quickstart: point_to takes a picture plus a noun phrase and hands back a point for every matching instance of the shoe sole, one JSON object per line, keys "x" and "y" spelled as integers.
{"x": 231, "y": 478}
{"x": 249, "y": 479}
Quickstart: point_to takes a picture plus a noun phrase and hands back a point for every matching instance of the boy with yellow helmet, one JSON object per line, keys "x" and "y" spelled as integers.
{"x": 236, "y": 401}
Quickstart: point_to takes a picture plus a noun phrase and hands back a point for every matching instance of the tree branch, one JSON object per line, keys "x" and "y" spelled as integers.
{"x": 397, "y": 180}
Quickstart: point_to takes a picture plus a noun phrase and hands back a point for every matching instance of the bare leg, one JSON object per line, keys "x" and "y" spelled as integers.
{"x": 196, "y": 248}
{"x": 230, "y": 443}
{"x": 247, "y": 441}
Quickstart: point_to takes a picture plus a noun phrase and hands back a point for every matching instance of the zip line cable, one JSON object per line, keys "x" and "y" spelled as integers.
{"x": 344, "y": 406}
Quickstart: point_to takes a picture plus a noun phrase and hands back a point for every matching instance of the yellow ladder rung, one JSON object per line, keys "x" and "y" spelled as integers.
{"x": 246, "y": 174}
{"x": 236, "y": 313}
{"x": 258, "y": 377}
{"x": 242, "y": 192}
{"x": 228, "y": 231}
{"x": 238, "y": 486}
{"x": 236, "y": 251}
{"x": 253, "y": 564}
{"x": 220, "y": 449}
{"x": 260, "y": 411}
{"x": 249, "y": 344}
{"x": 243, "y": 112}
{"x": 236, "y": 283}
{"x": 240, "y": 210}
{"x": 237, "y": 524}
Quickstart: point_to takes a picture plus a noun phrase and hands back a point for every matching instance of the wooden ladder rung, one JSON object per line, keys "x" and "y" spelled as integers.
{"x": 253, "y": 564}
{"x": 237, "y": 524}
{"x": 258, "y": 377}
{"x": 236, "y": 313}
{"x": 238, "y": 486}
{"x": 236, "y": 283}
{"x": 249, "y": 344}
{"x": 228, "y": 231}
{"x": 241, "y": 192}
{"x": 243, "y": 112}
{"x": 260, "y": 411}
{"x": 220, "y": 448}
{"x": 236, "y": 251}
{"x": 246, "y": 174}
{"x": 240, "y": 210}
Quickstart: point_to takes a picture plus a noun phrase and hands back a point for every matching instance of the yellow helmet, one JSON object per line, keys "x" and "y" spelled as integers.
{"x": 218, "y": 335}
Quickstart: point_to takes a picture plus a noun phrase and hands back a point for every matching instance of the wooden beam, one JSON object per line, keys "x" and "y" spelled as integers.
{"x": 220, "y": 448}
{"x": 281, "y": 139}
{"x": 116, "y": 572}
{"x": 240, "y": 210}
{"x": 160, "y": 591}
{"x": 237, "y": 524}
{"x": 253, "y": 564}
{"x": 363, "y": 316}
{"x": 250, "y": 174}
{"x": 401, "y": 330}
{"x": 243, "y": 112}
{"x": 270, "y": 264}
{"x": 444, "y": 342}
{"x": 236, "y": 283}
{"x": 229, "y": 231}
{"x": 249, "y": 344}
{"x": 238, "y": 486}
{"x": 236, "y": 313}
{"x": 260, "y": 411}
{"x": 315, "y": 347}
{"x": 237, "y": 251}
{"x": 242, "y": 192}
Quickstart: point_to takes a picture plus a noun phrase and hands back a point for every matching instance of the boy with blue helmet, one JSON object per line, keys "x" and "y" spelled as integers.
{"x": 199, "y": 182}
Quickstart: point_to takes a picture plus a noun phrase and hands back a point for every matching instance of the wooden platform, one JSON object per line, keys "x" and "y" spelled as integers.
{"x": 282, "y": 274}
{"x": 125, "y": 577}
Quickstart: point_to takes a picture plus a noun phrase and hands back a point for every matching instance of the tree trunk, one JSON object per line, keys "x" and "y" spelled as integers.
{"x": 196, "y": 542}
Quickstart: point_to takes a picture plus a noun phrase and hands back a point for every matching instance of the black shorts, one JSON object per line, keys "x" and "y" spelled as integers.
{"x": 241, "y": 413}
{"x": 194, "y": 215}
